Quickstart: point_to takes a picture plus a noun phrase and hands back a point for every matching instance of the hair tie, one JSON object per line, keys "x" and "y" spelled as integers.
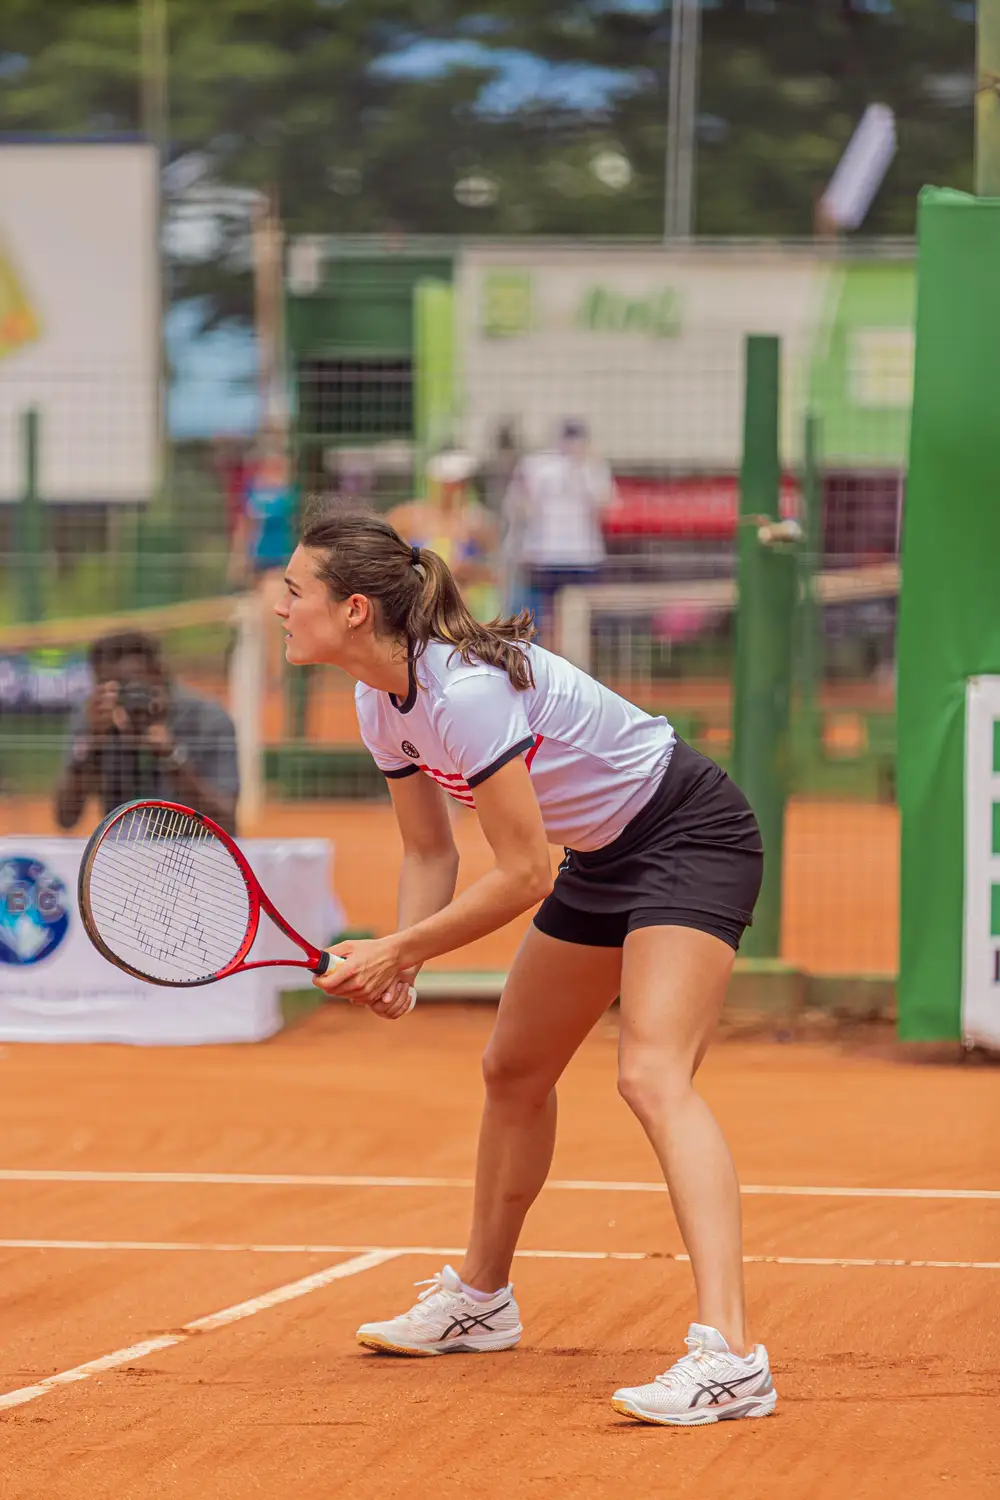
{"x": 415, "y": 556}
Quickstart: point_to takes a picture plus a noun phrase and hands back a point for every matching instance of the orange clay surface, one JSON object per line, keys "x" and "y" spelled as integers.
{"x": 887, "y": 1374}
{"x": 841, "y": 875}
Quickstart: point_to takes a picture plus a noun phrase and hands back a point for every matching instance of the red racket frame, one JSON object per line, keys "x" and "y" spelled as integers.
{"x": 317, "y": 961}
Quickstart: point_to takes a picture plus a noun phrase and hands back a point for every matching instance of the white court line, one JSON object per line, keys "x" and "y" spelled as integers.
{"x": 571, "y": 1185}
{"x": 446, "y": 1251}
{"x": 287, "y": 1293}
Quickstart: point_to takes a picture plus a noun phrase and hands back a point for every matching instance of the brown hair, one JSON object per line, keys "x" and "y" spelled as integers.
{"x": 109, "y": 650}
{"x": 414, "y": 592}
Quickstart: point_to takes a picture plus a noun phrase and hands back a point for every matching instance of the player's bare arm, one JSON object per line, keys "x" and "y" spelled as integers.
{"x": 509, "y": 816}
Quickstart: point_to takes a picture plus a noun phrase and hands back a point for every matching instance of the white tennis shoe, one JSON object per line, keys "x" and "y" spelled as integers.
{"x": 446, "y": 1320}
{"x": 709, "y": 1384}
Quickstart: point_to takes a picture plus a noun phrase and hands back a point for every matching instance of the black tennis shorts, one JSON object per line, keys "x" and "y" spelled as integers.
{"x": 692, "y": 857}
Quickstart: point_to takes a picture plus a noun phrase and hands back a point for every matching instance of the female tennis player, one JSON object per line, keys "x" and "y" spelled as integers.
{"x": 662, "y": 869}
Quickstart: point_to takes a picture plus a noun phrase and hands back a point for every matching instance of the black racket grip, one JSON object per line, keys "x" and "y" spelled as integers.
{"x": 323, "y": 965}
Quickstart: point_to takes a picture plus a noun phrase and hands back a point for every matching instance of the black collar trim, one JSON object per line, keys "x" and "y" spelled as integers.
{"x": 411, "y": 696}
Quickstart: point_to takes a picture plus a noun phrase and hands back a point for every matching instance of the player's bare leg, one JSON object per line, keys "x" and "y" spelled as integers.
{"x": 554, "y": 995}
{"x": 673, "y": 984}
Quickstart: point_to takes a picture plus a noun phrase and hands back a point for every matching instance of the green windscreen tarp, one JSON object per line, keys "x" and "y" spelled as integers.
{"x": 949, "y": 627}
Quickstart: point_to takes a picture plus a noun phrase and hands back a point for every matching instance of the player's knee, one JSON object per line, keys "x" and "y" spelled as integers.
{"x": 513, "y": 1079}
{"x": 652, "y": 1083}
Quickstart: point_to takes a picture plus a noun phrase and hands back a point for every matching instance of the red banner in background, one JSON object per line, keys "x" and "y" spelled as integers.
{"x": 695, "y": 509}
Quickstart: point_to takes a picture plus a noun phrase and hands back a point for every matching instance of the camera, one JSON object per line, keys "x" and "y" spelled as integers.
{"x": 142, "y": 703}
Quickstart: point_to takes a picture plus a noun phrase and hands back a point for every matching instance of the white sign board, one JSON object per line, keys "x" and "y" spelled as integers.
{"x": 55, "y": 986}
{"x": 645, "y": 345}
{"x": 80, "y": 318}
{"x": 981, "y": 948}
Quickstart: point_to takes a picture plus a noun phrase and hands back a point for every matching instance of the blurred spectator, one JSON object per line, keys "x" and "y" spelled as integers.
{"x": 357, "y": 477}
{"x": 261, "y": 506}
{"x": 229, "y": 458}
{"x": 139, "y": 734}
{"x": 553, "y": 509}
{"x": 500, "y": 466}
{"x": 455, "y": 526}
{"x": 271, "y": 506}
{"x": 268, "y": 535}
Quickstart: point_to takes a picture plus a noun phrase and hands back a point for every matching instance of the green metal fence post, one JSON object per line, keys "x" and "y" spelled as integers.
{"x": 768, "y": 582}
{"x": 298, "y": 680}
{"x": 30, "y": 526}
{"x": 810, "y": 653}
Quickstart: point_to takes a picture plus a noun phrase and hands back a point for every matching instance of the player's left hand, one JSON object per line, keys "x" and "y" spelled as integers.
{"x": 398, "y": 999}
{"x": 371, "y": 969}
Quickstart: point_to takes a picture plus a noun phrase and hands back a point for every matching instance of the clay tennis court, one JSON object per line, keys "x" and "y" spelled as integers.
{"x": 309, "y": 1181}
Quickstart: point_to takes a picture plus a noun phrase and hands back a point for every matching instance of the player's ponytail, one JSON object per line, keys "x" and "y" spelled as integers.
{"x": 414, "y": 591}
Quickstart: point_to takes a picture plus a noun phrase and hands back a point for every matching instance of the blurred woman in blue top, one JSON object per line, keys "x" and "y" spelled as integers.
{"x": 271, "y": 508}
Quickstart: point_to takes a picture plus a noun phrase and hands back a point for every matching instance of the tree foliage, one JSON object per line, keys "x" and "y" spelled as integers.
{"x": 306, "y": 96}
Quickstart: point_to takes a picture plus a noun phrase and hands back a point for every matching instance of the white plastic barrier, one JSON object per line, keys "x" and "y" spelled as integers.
{"x": 55, "y": 986}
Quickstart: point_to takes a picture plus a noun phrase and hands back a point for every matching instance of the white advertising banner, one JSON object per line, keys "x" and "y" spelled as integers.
{"x": 646, "y": 346}
{"x": 56, "y": 987}
{"x": 80, "y": 318}
{"x": 981, "y": 948}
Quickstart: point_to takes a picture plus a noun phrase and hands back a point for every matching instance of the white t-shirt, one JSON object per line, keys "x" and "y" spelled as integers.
{"x": 555, "y": 505}
{"x": 594, "y": 759}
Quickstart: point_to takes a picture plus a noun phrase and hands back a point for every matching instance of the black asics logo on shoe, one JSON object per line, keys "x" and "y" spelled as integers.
{"x": 410, "y": 750}
{"x": 466, "y": 1324}
{"x": 715, "y": 1390}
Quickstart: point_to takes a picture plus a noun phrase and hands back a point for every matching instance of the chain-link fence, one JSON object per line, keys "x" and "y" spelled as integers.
{"x": 589, "y": 400}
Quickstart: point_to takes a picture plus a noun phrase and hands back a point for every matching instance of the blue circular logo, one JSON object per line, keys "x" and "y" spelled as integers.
{"x": 34, "y": 910}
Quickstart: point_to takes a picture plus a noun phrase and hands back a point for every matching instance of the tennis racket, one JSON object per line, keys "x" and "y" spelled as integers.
{"x": 166, "y": 895}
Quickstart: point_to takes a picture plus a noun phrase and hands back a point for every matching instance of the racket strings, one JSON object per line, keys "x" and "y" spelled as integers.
{"x": 142, "y": 915}
{"x": 167, "y": 888}
{"x": 154, "y": 910}
{"x": 167, "y": 896}
{"x": 167, "y": 930}
{"x": 179, "y": 872}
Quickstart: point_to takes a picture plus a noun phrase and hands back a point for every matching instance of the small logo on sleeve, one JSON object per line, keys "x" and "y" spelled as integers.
{"x": 410, "y": 750}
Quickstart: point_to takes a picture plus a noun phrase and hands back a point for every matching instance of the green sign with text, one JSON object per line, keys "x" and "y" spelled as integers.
{"x": 508, "y": 309}
{"x": 604, "y": 311}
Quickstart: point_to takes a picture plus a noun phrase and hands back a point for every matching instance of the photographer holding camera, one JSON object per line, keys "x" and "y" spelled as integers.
{"x": 141, "y": 735}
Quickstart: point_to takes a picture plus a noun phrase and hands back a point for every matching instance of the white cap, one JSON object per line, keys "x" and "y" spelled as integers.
{"x": 452, "y": 466}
